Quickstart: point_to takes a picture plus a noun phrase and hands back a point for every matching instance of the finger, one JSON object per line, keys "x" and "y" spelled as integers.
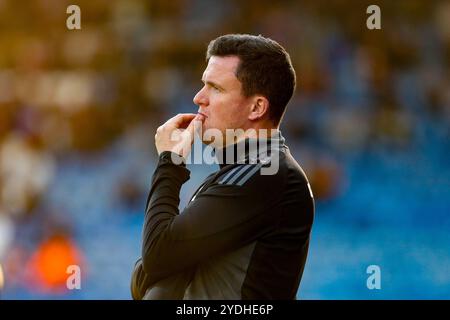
{"x": 195, "y": 124}
{"x": 181, "y": 120}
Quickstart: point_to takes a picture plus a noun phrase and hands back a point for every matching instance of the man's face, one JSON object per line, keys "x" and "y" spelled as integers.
{"x": 221, "y": 99}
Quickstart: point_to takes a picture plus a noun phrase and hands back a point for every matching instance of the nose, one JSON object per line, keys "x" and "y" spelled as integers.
{"x": 201, "y": 99}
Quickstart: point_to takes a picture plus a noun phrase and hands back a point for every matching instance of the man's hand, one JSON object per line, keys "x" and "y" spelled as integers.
{"x": 177, "y": 134}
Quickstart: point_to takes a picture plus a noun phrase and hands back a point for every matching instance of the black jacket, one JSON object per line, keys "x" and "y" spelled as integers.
{"x": 243, "y": 235}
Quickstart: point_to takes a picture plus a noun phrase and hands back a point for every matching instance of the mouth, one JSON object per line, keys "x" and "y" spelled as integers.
{"x": 203, "y": 114}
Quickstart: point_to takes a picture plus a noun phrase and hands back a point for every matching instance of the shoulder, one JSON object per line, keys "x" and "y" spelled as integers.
{"x": 296, "y": 177}
{"x": 266, "y": 177}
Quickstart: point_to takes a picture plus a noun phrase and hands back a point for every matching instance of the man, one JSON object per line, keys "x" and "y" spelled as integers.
{"x": 244, "y": 234}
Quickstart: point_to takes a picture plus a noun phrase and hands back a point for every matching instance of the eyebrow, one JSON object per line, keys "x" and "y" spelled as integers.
{"x": 214, "y": 84}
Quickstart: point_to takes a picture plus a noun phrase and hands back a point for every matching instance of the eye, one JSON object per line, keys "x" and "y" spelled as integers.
{"x": 212, "y": 86}
{"x": 215, "y": 88}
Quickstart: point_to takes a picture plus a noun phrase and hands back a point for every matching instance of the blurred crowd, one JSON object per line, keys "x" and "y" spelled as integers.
{"x": 71, "y": 102}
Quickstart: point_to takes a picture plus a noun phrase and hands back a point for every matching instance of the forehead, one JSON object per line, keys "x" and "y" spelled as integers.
{"x": 221, "y": 69}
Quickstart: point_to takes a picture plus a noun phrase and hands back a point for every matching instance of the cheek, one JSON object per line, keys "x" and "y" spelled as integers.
{"x": 225, "y": 112}
{"x": 219, "y": 109}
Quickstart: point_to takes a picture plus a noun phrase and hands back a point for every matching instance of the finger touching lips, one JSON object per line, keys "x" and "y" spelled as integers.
{"x": 181, "y": 119}
{"x": 200, "y": 116}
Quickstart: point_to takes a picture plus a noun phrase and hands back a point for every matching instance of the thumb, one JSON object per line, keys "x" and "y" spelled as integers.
{"x": 188, "y": 135}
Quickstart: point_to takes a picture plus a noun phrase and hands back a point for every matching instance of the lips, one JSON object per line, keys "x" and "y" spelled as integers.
{"x": 203, "y": 114}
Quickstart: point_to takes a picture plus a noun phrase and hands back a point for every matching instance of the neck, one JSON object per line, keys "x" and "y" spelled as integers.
{"x": 257, "y": 132}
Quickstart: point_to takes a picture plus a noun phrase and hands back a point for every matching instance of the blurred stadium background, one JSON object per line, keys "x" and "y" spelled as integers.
{"x": 369, "y": 124}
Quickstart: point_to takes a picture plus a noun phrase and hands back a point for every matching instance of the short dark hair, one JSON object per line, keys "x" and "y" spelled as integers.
{"x": 265, "y": 68}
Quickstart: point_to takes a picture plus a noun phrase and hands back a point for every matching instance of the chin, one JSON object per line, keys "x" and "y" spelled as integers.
{"x": 212, "y": 134}
{"x": 208, "y": 142}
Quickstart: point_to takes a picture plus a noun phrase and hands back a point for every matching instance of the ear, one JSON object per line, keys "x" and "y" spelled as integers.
{"x": 259, "y": 108}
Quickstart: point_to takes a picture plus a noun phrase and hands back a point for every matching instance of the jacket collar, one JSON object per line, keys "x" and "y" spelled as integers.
{"x": 251, "y": 150}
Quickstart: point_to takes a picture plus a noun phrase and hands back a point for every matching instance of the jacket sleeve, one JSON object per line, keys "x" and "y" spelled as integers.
{"x": 139, "y": 281}
{"x": 170, "y": 288}
{"x": 222, "y": 218}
